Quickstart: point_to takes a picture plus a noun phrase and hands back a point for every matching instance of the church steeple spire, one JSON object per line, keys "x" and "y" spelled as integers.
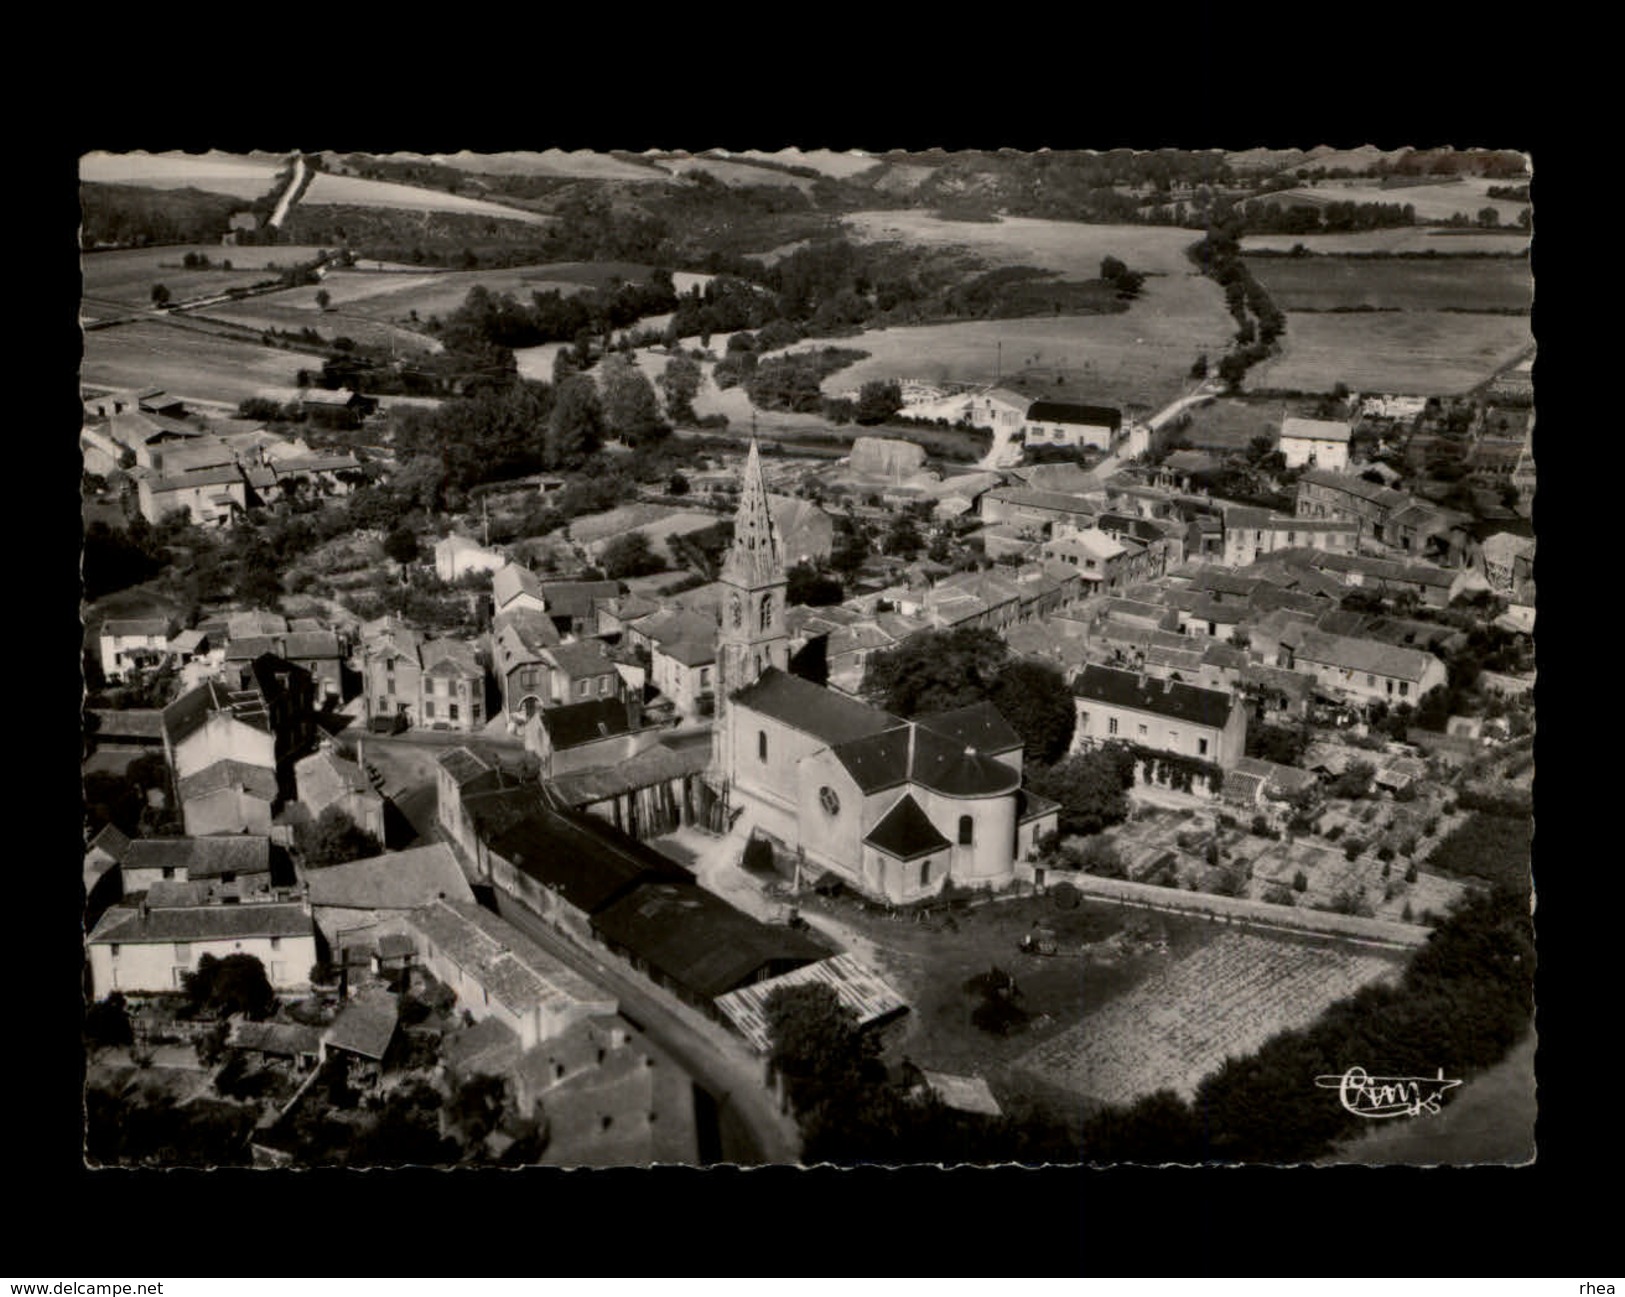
{"x": 756, "y": 557}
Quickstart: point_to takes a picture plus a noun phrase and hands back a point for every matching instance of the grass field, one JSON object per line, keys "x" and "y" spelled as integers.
{"x": 1225, "y": 425}
{"x": 1223, "y": 998}
{"x": 117, "y": 281}
{"x": 825, "y": 161}
{"x": 1329, "y": 283}
{"x": 297, "y": 309}
{"x": 1417, "y": 353}
{"x": 583, "y": 164}
{"x": 186, "y": 363}
{"x": 1432, "y": 202}
{"x": 655, "y": 521}
{"x": 1404, "y": 238}
{"x": 212, "y": 172}
{"x": 326, "y": 189}
{"x": 1136, "y": 360}
{"x": 735, "y": 174}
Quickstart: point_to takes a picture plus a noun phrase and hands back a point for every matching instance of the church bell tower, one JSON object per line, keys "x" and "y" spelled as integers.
{"x": 752, "y": 636}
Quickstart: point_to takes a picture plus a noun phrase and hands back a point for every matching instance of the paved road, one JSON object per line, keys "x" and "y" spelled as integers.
{"x": 278, "y": 216}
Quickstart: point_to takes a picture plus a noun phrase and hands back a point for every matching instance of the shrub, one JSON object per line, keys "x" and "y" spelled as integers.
{"x": 1334, "y": 833}
{"x": 1279, "y": 894}
{"x": 1352, "y": 848}
{"x": 1410, "y": 872}
{"x": 1261, "y": 827}
{"x": 1300, "y": 881}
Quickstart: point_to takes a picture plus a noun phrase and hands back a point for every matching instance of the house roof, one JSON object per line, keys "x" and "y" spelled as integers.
{"x": 586, "y": 860}
{"x": 110, "y": 840}
{"x": 202, "y": 857}
{"x": 1364, "y": 655}
{"x": 577, "y": 599}
{"x": 522, "y": 633}
{"x": 125, "y": 926}
{"x": 1052, "y": 500}
{"x": 507, "y": 963}
{"x": 877, "y": 761}
{"x": 1098, "y": 416}
{"x": 366, "y": 1024}
{"x": 860, "y": 989}
{"x": 1316, "y": 429}
{"x": 396, "y": 880}
{"x": 130, "y": 723}
{"x": 588, "y": 657}
{"x": 813, "y": 709}
{"x": 137, "y": 627}
{"x": 255, "y": 622}
{"x": 324, "y": 777}
{"x": 673, "y": 757}
{"x": 905, "y": 832}
{"x": 697, "y": 939}
{"x": 578, "y": 723}
{"x": 288, "y": 1039}
{"x": 1171, "y": 698}
{"x": 509, "y": 582}
{"x": 192, "y": 710}
{"x": 636, "y": 1108}
{"x": 962, "y": 1093}
{"x": 1351, "y": 484}
{"x": 455, "y": 653}
{"x": 257, "y": 781}
{"x": 463, "y": 764}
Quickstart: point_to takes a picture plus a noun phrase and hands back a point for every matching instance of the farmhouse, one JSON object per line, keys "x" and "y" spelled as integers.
{"x": 129, "y": 643}
{"x": 326, "y": 779}
{"x": 1358, "y": 670}
{"x": 1251, "y": 533}
{"x": 498, "y": 972}
{"x": 1317, "y": 443}
{"x": 601, "y": 731}
{"x": 209, "y": 498}
{"x": 1037, "y": 509}
{"x": 1326, "y": 494}
{"x": 237, "y": 867}
{"x": 1163, "y": 715}
{"x": 1062, "y": 423}
{"x": 143, "y": 949}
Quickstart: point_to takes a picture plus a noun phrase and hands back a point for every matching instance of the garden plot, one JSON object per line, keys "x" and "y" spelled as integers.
{"x": 1223, "y": 999}
{"x": 194, "y": 366}
{"x": 656, "y": 521}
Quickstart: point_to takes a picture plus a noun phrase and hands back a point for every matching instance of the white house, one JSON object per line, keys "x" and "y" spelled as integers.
{"x": 1064, "y": 423}
{"x": 1317, "y": 443}
{"x": 150, "y": 950}
{"x": 133, "y": 642}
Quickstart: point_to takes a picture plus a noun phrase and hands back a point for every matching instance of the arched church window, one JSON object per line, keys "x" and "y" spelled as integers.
{"x": 767, "y": 610}
{"x": 761, "y": 745}
{"x": 967, "y": 828}
{"x": 738, "y": 610}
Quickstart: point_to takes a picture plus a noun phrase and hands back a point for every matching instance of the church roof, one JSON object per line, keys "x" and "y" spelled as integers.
{"x": 813, "y": 709}
{"x": 905, "y": 832}
{"x": 756, "y": 557}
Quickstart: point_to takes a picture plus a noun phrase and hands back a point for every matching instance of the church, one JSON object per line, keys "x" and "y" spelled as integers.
{"x": 894, "y": 808}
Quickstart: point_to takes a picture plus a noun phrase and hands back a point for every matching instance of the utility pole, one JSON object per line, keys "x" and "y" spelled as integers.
{"x": 998, "y": 372}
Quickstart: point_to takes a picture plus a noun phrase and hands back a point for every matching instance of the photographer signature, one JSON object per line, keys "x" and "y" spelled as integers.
{"x": 1388, "y": 1096}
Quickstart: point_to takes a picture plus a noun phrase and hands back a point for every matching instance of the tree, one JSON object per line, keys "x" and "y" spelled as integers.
{"x": 903, "y": 537}
{"x": 335, "y": 838}
{"x": 935, "y": 671}
{"x": 575, "y": 429}
{"x": 323, "y": 297}
{"x": 680, "y": 384}
{"x": 160, "y": 295}
{"x": 630, "y": 554}
{"x": 807, "y": 585}
{"x": 235, "y": 984}
{"x": 879, "y": 400}
{"x": 107, "y": 1022}
{"x": 678, "y": 485}
{"x": 1035, "y": 699}
{"x": 631, "y": 411}
{"x": 815, "y": 1042}
{"x": 1091, "y": 787}
{"x": 401, "y": 545}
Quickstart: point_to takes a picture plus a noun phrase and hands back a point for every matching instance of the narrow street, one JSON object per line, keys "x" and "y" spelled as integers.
{"x": 753, "y": 1128}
